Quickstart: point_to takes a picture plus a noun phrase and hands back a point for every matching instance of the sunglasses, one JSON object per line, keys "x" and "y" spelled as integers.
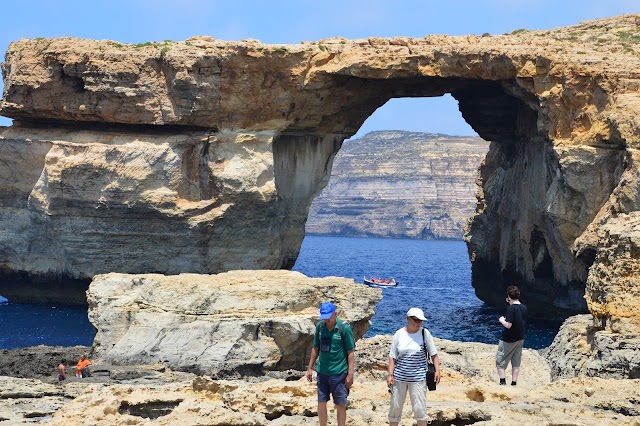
{"x": 415, "y": 319}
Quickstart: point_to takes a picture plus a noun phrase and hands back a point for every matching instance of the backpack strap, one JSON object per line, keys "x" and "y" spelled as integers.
{"x": 431, "y": 368}
{"x": 424, "y": 345}
{"x": 344, "y": 343}
{"x": 340, "y": 331}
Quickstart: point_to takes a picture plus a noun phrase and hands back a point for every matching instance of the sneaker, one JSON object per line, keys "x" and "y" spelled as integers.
{"x": 503, "y": 382}
{"x": 513, "y": 383}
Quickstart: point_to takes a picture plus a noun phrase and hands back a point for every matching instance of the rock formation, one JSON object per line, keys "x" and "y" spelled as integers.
{"x": 204, "y": 155}
{"x": 583, "y": 349}
{"x": 83, "y": 202}
{"x": 244, "y": 322}
{"x": 395, "y": 184}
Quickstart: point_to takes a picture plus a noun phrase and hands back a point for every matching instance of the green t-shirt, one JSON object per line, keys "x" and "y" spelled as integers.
{"x": 334, "y": 361}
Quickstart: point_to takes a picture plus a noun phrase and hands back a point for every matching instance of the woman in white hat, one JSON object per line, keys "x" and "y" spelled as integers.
{"x": 408, "y": 368}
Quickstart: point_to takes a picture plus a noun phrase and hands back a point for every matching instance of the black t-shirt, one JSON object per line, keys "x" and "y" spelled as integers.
{"x": 516, "y": 313}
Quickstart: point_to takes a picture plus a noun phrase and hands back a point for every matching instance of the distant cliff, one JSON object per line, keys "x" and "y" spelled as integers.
{"x": 398, "y": 184}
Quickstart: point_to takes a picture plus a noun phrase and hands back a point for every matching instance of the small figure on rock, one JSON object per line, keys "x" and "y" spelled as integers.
{"x": 62, "y": 375}
{"x": 82, "y": 368}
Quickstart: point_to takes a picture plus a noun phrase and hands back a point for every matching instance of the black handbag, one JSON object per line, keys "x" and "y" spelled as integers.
{"x": 431, "y": 376}
{"x": 431, "y": 369}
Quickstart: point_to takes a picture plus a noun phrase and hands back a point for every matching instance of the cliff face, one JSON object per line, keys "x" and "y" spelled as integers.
{"x": 76, "y": 203}
{"x": 210, "y": 153}
{"x": 396, "y": 184}
{"x": 535, "y": 202}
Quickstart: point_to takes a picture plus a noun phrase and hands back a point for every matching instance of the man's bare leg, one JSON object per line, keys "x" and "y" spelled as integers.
{"x": 515, "y": 371}
{"x": 322, "y": 413}
{"x": 342, "y": 415}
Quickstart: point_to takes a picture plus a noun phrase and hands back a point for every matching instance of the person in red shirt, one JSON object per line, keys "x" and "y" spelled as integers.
{"x": 81, "y": 367}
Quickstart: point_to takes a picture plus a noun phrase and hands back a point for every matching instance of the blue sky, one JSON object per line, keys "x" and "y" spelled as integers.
{"x": 137, "y": 21}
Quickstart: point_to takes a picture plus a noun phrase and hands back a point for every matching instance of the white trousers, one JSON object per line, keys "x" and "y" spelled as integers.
{"x": 418, "y": 396}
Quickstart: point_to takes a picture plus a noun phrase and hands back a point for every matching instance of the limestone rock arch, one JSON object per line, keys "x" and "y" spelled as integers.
{"x": 210, "y": 152}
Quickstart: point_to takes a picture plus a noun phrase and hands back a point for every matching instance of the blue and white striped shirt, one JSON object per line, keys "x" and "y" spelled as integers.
{"x": 408, "y": 351}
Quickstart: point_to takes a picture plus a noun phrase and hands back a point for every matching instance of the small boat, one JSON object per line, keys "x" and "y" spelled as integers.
{"x": 380, "y": 282}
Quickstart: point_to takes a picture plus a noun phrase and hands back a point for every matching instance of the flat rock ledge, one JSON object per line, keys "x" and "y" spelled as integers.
{"x": 468, "y": 394}
{"x": 244, "y": 322}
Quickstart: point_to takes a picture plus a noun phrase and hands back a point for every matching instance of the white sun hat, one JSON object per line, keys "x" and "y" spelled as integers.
{"x": 416, "y": 312}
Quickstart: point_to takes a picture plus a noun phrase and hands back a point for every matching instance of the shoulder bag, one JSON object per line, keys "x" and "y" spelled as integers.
{"x": 431, "y": 369}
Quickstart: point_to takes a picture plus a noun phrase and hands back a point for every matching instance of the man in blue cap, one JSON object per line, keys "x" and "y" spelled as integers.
{"x": 333, "y": 346}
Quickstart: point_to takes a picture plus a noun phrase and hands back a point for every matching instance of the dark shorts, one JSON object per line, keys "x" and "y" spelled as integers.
{"x": 335, "y": 386}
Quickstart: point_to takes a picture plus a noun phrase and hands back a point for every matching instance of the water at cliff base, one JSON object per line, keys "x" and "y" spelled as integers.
{"x": 26, "y": 325}
{"x": 432, "y": 275}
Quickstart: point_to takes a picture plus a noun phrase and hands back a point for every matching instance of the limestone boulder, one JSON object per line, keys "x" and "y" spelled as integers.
{"x": 582, "y": 348}
{"x": 243, "y": 322}
{"x": 613, "y": 286}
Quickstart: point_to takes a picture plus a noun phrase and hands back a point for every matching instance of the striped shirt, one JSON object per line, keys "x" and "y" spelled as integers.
{"x": 408, "y": 351}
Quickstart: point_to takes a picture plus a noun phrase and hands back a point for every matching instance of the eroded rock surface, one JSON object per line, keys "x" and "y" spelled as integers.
{"x": 584, "y": 348}
{"x": 468, "y": 394}
{"x": 244, "y": 322}
{"x": 39, "y": 361}
{"x": 80, "y": 202}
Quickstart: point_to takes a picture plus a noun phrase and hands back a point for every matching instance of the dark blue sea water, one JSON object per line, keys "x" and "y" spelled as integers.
{"x": 23, "y": 325}
{"x": 432, "y": 275}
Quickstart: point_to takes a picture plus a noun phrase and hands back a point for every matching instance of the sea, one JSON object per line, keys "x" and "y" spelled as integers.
{"x": 432, "y": 275}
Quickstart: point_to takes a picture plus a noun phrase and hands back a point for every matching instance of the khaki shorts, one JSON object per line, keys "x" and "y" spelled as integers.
{"x": 509, "y": 351}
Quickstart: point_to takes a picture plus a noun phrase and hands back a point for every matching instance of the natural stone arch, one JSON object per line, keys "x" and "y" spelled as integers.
{"x": 513, "y": 238}
{"x": 563, "y": 124}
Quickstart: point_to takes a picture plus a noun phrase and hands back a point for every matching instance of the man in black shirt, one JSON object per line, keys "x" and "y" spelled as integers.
{"x": 512, "y": 340}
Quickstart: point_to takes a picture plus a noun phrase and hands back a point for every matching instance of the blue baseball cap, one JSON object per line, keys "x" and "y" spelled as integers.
{"x": 326, "y": 310}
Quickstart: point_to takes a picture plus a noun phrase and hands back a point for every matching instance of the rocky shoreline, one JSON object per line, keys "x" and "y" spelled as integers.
{"x": 145, "y": 394}
{"x": 229, "y": 350}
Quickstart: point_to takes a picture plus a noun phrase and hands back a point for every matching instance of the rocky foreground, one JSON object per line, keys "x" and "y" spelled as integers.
{"x": 230, "y": 350}
{"x": 468, "y": 394}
